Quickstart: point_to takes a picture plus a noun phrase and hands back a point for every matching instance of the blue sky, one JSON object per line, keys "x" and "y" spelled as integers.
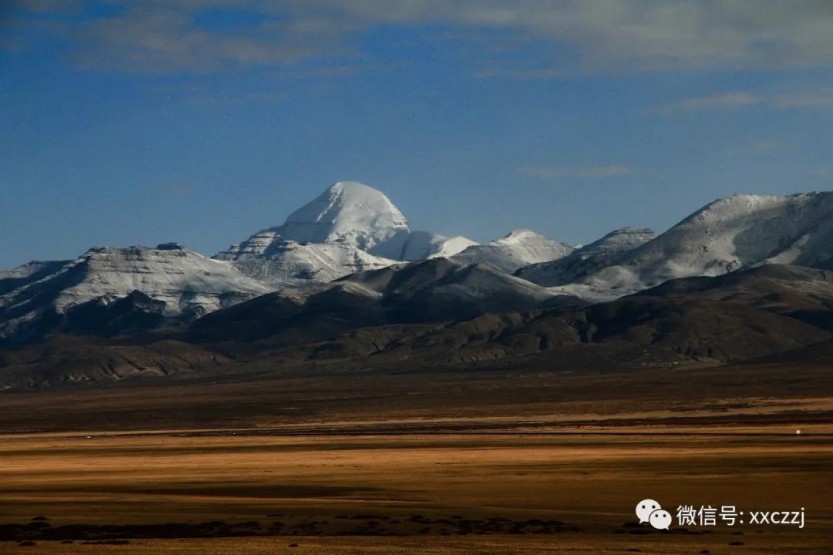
{"x": 203, "y": 122}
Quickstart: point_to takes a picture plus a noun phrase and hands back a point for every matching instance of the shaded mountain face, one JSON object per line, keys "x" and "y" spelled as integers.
{"x": 64, "y": 360}
{"x": 394, "y": 320}
{"x": 739, "y": 316}
{"x": 805, "y": 294}
{"x": 744, "y": 314}
{"x": 442, "y": 289}
{"x": 588, "y": 259}
{"x": 116, "y": 291}
{"x": 31, "y": 272}
{"x": 434, "y": 290}
{"x": 349, "y": 228}
{"x": 520, "y": 248}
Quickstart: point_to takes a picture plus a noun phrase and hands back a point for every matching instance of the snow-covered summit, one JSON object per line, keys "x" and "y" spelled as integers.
{"x": 520, "y": 236}
{"x": 348, "y": 212}
{"x": 725, "y": 235}
{"x": 348, "y": 228}
{"x": 741, "y": 230}
{"x": 351, "y": 228}
{"x": 181, "y": 278}
{"x": 178, "y": 282}
{"x": 519, "y": 248}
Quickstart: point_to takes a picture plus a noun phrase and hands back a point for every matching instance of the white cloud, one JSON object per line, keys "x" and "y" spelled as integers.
{"x": 625, "y": 35}
{"x": 156, "y": 39}
{"x": 817, "y": 98}
{"x": 571, "y": 36}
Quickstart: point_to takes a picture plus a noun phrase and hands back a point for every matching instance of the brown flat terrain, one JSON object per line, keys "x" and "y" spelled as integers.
{"x": 523, "y": 389}
{"x": 533, "y": 462}
{"x": 578, "y": 489}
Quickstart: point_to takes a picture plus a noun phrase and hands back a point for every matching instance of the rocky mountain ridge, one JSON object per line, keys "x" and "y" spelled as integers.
{"x": 351, "y": 238}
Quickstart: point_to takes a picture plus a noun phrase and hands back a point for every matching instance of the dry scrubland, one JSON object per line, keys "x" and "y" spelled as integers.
{"x": 350, "y": 470}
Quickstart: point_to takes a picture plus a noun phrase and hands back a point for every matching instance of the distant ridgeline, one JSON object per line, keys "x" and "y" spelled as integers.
{"x": 349, "y": 259}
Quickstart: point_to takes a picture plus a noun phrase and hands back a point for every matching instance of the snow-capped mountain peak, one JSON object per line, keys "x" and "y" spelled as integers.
{"x": 520, "y": 235}
{"x": 349, "y": 212}
{"x": 519, "y": 248}
{"x": 180, "y": 284}
{"x": 351, "y": 228}
{"x": 348, "y": 228}
{"x": 170, "y": 272}
{"x": 725, "y": 235}
{"x": 737, "y": 231}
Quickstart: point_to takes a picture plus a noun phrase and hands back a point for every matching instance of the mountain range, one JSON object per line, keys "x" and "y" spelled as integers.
{"x": 348, "y": 261}
{"x": 348, "y": 228}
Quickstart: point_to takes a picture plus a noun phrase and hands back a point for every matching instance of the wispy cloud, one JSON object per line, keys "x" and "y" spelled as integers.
{"x": 616, "y": 36}
{"x": 819, "y": 98}
{"x": 724, "y": 101}
{"x": 602, "y": 36}
{"x": 166, "y": 39}
{"x": 555, "y": 172}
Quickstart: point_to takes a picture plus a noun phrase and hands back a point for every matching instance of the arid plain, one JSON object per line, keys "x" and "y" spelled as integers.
{"x": 497, "y": 461}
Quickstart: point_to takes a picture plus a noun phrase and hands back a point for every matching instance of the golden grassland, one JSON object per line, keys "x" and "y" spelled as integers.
{"x": 485, "y": 463}
{"x": 419, "y": 488}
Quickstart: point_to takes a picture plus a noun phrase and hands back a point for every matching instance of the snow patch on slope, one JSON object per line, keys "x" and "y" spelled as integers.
{"x": 287, "y": 263}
